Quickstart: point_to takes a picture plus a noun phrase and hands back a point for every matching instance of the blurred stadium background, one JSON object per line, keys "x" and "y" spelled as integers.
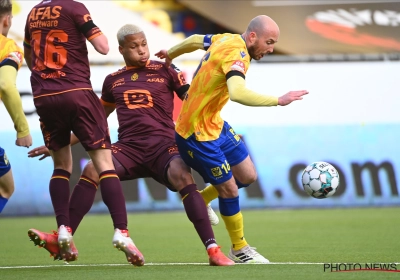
{"x": 346, "y": 53}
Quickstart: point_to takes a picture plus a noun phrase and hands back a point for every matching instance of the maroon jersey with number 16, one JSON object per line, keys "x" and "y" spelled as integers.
{"x": 144, "y": 99}
{"x": 56, "y": 31}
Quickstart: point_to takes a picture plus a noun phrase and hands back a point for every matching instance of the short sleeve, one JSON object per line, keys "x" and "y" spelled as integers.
{"x": 236, "y": 60}
{"x": 84, "y": 21}
{"x": 178, "y": 80}
{"x": 13, "y": 55}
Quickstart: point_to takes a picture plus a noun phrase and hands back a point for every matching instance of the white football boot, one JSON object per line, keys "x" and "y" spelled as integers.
{"x": 124, "y": 243}
{"x": 247, "y": 255}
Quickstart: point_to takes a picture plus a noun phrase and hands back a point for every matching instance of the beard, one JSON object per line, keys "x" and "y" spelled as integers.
{"x": 251, "y": 51}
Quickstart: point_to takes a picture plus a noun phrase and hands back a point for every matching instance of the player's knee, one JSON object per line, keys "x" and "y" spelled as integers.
{"x": 247, "y": 179}
{"x": 179, "y": 174}
{"x": 251, "y": 178}
{"x": 7, "y": 185}
{"x": 89, "y": 171}
{"x": 8, "y": 191}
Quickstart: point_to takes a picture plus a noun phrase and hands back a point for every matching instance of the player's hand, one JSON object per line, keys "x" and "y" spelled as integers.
{"x": 39, "y": 151}
{"x": 164, "y": 54}
{"x": 291, "y": 96}
{"x": 24, "y": 141}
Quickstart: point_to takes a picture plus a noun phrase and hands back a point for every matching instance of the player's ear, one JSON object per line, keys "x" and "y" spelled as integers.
{"x": 120, "y": 49}
{"x": 4, "y": 22}
{"x": 8, "y": 21}
{"x": 252, "y": 37}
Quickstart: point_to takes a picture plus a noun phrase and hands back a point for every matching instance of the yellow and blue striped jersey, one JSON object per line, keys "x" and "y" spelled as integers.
{"x": 208, "y": 92}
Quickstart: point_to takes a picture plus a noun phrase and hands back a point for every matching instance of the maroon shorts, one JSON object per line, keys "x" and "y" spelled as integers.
{"x": 148, "y": 157}
{"x": 79, "y": 111}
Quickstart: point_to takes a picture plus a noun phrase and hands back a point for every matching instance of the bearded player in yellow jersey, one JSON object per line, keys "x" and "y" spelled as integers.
{"x": 206, "y": 142}
{"x": 11, "y": 57}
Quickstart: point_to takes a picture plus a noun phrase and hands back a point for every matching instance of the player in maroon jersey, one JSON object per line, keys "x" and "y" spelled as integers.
{"x": 55, "y": 50}
{"x": 142, "y": 93}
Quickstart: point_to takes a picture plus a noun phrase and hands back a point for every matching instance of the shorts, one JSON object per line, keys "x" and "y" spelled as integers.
{"x": 213, "y": 159}
{"x": 79, "y": 111}
{"x": 5, "y": 165}
{"x": 146, "y": 157}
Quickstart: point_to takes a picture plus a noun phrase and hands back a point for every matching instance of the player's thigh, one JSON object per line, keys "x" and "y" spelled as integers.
{"x": 6, "y": 177}
{"x": 206, "y": 157}
{"x": 245, "y": 171}
{"x": 62, "y": 158}
{"x": 101, "y": 159}
{"x": 237, "y": 155}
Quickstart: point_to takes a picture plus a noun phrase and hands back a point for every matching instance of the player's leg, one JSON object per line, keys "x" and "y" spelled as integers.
{"x": 80, "y": 202}
{"x": 181, "y": 179}
{"x": 176, "y": 175}
{"x": 59, "y": 193}
{"x": 6, "y": 180}
{"x": 113, "y": 197}
{"x": 209, "y": 193}
{"x": 84, "y": 192}
{"x": 59, "y": 244}
{"x": 110, "y": 186}
{"x": 92, "y": 130}
{"x": 54, "y": 115}
{"x": 83, "y": 195}
{"x": 208, "y": 160}
{"x": 244, "y": 173}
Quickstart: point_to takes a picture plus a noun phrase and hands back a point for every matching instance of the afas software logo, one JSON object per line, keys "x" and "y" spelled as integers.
{"x": 349, "y": 26}
{"x": 354, "y": 267}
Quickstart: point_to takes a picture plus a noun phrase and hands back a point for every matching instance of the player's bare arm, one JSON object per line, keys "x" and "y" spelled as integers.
{"x": 100, "y": 44}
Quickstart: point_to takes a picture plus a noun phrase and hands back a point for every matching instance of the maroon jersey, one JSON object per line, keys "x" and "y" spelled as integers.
{"x": 56, "y": 31}
{"x": 144, "y": 99}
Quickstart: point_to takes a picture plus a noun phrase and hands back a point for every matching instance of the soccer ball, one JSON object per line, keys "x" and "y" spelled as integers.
{"x": 320, "y": 179}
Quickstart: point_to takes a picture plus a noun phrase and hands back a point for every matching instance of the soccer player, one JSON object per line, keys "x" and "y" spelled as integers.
{"x": 206, "y": 142}
{"x": 142, "y": 93}
{"x": 11, "y": 57}
{"x": 55, "y": 50}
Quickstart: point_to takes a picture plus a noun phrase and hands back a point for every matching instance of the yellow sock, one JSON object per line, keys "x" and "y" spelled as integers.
{"x": 234, "y": 225}
{"x": 209, "y": 193}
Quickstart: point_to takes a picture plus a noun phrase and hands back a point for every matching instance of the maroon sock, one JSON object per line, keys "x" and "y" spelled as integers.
{"x": 196, "y": 211}
{"x": 113, "y": 197}
{"x": 59, "y": 194}
{"x": 81, "y": 201}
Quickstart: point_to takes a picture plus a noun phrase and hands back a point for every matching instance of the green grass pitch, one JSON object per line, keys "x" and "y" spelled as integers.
{"x": 297, "y": 242}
